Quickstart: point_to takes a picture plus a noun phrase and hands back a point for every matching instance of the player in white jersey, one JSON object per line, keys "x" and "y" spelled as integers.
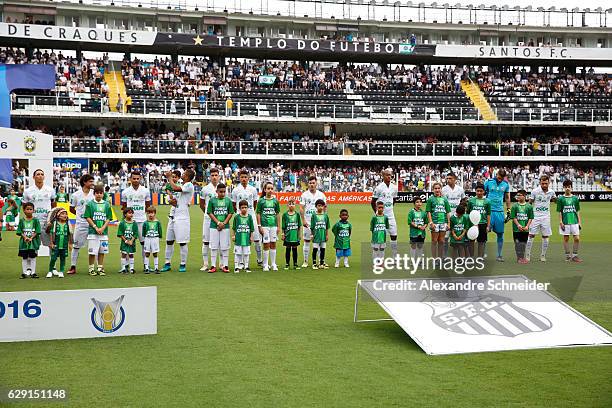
{"x": 138, "y": 198}
{"x": 78, "y": 202}
{"x": 208, "y": 191}
{"x": 248, "y": 193}
{"x": 182, "y": 227}
{"x": 307, "y": 209}
{"x": 454, "y": 194}
{"x": 386, "y": 191}
{"x": 43, "y": 198}
{"x": 540, "y": 199}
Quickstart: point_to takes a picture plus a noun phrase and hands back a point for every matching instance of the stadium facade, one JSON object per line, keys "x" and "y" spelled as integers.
{"x": 495, "y": 37}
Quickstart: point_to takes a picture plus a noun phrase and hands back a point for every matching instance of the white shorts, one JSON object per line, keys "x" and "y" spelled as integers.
{"x": 242, "y": 250}
{"x": 392, "y": 226}
{"x": 151, "y": 245}
{"x": 541, "y": 225}
{"x": 220, "y": 239}
{"x": 439, "y": 227}
{"x": 178, "y": 231}
{"x": 79, "y": 239}
{"x": 256, "y": 235}
{"x": 97, "y": 244}
{"x": 307, "y": 233}
{"x": 319, "y": 244}
{"x": 269, "y": 234}
{"x": 572, "y": 229}
{"x": 206, "y": 229}
{"x": 140, "y": 236}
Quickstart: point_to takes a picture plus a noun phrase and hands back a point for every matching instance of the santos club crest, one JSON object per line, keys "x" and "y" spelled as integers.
{"x": 487, "y": 315}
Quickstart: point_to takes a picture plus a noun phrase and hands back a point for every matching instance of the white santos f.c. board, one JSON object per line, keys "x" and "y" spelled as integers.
{"x": 484, "y": 320}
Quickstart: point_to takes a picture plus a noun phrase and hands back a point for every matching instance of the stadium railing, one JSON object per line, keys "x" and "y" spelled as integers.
{"x": 307, "y": 149}
{"x": 27, "y": 104}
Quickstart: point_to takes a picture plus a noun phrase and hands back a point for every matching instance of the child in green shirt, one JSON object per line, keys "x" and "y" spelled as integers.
{"x": 28, "y": 230}
{"x": 521, "y": 215}
{"x": 60, "y": 241}
{"x": 128, "y": 233}
{"x": 481, "y": 204}
{"x": 98, "y": 213}
{"x": 291, "y": 223}
{"x": 570, "y": 222}
{"x": 379, "y": 224}
{"x": 459, "y": 224}
{"x": 152, "y": 233}
{"x": 342, "y": 238}
{"x": 319, "y": 225}
{"x": 417, "y": 220}
{"x": 243, "y": 227}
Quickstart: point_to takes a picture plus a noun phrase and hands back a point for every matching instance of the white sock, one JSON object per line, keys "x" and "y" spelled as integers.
{"x": 306, "y": 250}
{"x": 184, "y": 251}
{"x": 245, "y": 261}
{"x": 147, "y": 263}
{"x": 237, "y": 261}
{"x": 528, "y": 247}
{"x": 273, "y": 256}
{"x": 74, "y": 256}
{"x": 393, "y": 248}
{"x": 225, "y": 257}
{"x": 169, "y": 253}
{"x": 131, "y": 263}
{"x": 213, "y": 257}
{"x": 123, "y": 262}
{"x": 266, "y": 255}
{"x": 545, "y": 242}
{"x": 257, "y": 250}
{"x": 24, "y": 266}
{"x": 205, "y": 248}
{"x": 156, "y": 262}
{"x": 338, "y": 259}
{"x": 142, "y": 252}
{"x": 346, "y": 261}
{"x": 33, "y": 265}
{"x": 413, "y": 252}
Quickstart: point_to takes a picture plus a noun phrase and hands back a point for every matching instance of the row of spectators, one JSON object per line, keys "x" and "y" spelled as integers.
{"x": 343, "y": 177}
{"x": 204, "y": 79}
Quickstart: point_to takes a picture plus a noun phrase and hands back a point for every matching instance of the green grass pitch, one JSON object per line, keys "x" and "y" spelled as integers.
{"x": 287, "y": 339}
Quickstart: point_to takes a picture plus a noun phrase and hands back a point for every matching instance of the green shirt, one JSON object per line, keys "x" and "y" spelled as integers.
{"x": 62, "y": 198}
{"x": 290, "y": 224}
{"x": 522, "y": 213}
{"x": 61, "y": 235}
{"x": 482, "y": 205}
{"x": 152, "y": 229}
{"x": 220, "y": 208}
{"x": 438, "y": 207}
{"x": 99, "y": 212}
{"x": 27, "y": 228}
{"x": 269, "y": 208}
{"x": 419, "y": 218}
{"x": 342, "y": 234}
{"x": 458, "y": 225}
{"x": 319, "y": 224}
{"x": 379, "y": 224}
{"x": 569, "y": 208}
{"x": 12, "y": 213}
{"x": 128, "y": 230}
{"x": 243, "y": 228}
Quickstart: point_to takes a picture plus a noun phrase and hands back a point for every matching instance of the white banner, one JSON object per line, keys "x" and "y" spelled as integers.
{"x": 80, "y": 34}
{"x": 23, "y": 144}
{"x": 485, "y": 321}
{"x": 530, "y": 53}
{"x": 73, "y": 314}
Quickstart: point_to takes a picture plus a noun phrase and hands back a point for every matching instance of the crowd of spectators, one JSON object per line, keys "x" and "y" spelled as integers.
{"x": 521, "y": 81}
{"x": 341, "y": 177}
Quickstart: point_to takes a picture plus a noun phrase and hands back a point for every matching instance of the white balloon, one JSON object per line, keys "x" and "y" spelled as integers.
{"x": 475, "y": 216}
{"x": 472, "y": 233}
